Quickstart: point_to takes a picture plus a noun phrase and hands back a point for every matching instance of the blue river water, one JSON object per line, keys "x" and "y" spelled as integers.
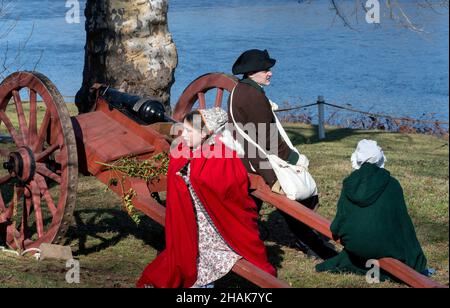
{"x": 383, "y": 68}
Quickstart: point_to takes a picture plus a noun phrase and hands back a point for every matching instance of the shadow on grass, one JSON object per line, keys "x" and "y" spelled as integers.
{"x": 109, "y": 227}
{"x": 275, "y": 230}
{"x": 333, "y": 134}
{"x": 232, "y": 280}
{"x": 3, "y": 227}
{"x": 435, "y": 232}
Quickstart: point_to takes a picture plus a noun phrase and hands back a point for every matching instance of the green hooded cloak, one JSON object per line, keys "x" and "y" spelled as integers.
{"x": 372, "y": 222}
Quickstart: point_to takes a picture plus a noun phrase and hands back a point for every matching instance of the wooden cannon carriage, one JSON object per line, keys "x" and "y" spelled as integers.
{"x": 38, "y": 187}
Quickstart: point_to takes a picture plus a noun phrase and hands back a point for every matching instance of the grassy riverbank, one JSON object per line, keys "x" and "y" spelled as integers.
{"x": 113, "y": 251}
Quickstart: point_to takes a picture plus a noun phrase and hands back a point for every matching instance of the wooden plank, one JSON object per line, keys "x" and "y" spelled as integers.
{"x": 256, "y": 275}
{"x": 103, "y": 140}
{"x": 407, "y": 274}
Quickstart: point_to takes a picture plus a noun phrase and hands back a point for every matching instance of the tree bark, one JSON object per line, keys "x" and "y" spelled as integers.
{"x": 129, "y": 47}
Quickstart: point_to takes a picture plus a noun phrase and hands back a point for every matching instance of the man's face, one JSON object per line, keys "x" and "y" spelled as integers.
{"x": 262, "y": 78}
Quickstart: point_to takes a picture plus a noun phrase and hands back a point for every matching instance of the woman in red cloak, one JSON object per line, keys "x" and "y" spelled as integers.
{"x": 211, "y": 221}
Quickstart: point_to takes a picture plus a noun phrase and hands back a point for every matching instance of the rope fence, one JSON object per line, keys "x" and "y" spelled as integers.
{"x": 321, "y": 104}
{"x": 376, "y": 115}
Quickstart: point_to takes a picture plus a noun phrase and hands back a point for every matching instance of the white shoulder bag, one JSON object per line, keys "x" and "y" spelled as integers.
{"x": 296, "y": 182}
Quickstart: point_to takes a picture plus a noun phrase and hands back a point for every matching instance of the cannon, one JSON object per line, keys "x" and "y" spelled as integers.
{"x": 39, "y": 183}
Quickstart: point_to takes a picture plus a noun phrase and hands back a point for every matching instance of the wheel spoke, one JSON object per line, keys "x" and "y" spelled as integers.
{"x": 39, "y": 144}
{"x": 21, "y": 115}
{"x": 33, "y": 118}
{"x": 48, "y": 151}
{"x": 36, "y": 195}
{"x": 18, "y": 192}
{"x": 25, "y": 215}
{"x": 46, "y": 193}
{"x": 12, "y": 131}
{"x": 43, "y": 170}
{"x": 202, "y": 100}
{"x": 219, "y": 97}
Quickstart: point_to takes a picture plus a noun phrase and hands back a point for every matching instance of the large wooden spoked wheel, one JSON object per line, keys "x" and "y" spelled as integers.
{"x": 38, "y": 179}
{"x": 195, "y": 93}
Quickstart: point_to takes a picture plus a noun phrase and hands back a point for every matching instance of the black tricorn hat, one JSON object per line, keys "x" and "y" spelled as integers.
{"x": 253, "y": 60}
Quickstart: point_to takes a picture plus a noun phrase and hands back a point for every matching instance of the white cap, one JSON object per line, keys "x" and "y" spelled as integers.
{"x": 368, "y": 151}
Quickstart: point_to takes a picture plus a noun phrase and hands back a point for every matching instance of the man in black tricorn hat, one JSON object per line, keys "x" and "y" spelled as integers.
{"x": 251, "y": 106}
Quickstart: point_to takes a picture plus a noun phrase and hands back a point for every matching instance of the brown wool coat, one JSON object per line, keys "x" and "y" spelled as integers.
{"x": 250, "y": 105}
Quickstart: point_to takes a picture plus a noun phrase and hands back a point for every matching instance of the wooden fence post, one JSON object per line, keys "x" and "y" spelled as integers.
{"x": 320, "y": 103}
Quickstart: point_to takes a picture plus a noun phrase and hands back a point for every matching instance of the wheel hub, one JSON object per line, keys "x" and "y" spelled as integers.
{"x": 21, "y": 164}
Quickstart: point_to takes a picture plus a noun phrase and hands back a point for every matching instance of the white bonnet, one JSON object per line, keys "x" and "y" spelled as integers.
{"x": 368, "y": 151}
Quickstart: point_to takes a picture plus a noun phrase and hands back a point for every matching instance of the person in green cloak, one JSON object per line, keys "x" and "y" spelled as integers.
{"x": 372, "y": 220}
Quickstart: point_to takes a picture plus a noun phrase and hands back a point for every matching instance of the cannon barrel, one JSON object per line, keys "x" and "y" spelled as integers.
{"x": 143, "y": 110}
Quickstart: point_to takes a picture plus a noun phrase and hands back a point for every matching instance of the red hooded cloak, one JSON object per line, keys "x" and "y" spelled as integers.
{"x": 222, "y": 187}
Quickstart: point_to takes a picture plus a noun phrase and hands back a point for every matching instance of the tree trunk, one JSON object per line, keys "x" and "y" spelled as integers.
{"x": 128, "y": 47}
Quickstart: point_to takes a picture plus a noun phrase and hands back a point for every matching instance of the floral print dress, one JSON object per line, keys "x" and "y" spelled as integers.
{"x": 215, "y": 257}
